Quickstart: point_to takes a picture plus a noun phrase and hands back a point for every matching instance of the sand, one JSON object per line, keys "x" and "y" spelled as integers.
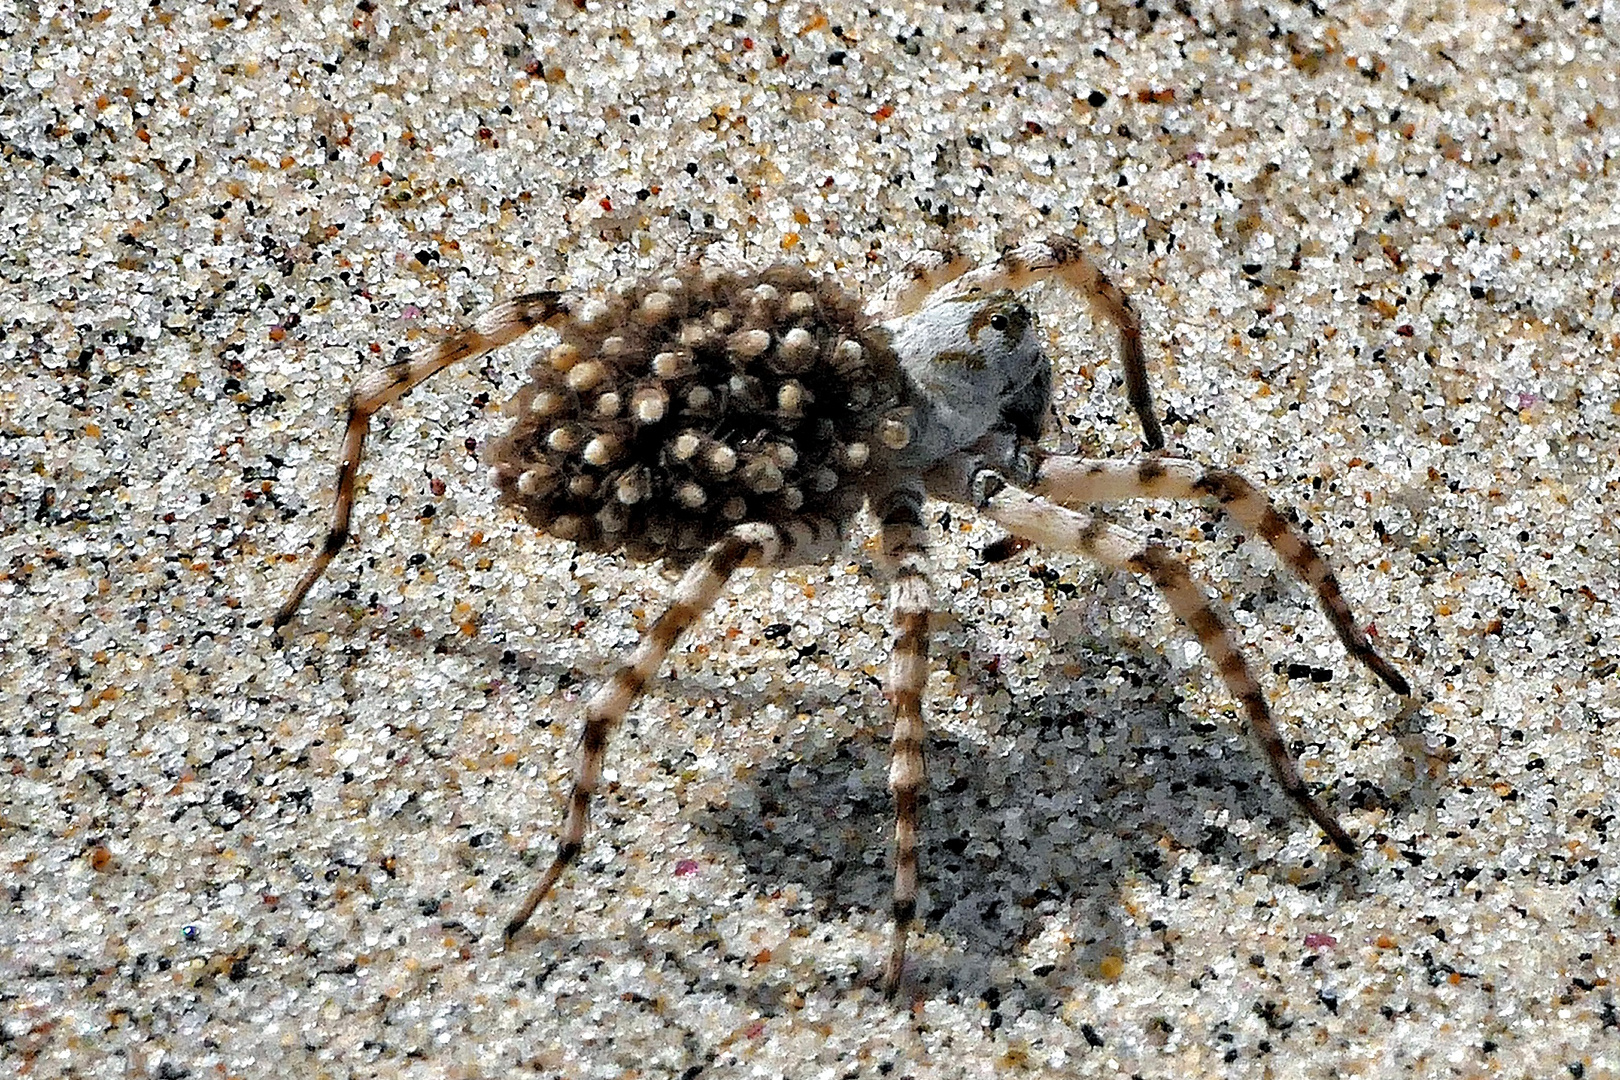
{"x": 1374, "y": 251}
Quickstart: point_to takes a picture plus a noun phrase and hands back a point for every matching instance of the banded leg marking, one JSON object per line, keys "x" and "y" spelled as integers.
{"x": 1063, "y": 258}
{"x": 908, "y": 289}
{"x": 905, "y": 547}
{"x": 757, "y": 545}
{"x": 498, "y": 326}
{"x": 1074, "y": 481}
{"x": 1058, "y": 527}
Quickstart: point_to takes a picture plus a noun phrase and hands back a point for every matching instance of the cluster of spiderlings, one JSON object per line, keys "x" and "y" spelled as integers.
{"x": 684, "y": 405}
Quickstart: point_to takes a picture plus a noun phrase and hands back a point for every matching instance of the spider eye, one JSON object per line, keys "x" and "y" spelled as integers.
{"x": 998, "y": 321}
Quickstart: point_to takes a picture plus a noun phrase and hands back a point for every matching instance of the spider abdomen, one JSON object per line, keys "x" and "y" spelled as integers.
{"x": 685, "y": 405}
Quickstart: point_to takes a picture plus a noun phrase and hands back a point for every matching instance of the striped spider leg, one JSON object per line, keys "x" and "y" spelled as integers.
{"x": 905, "y": 547}
{"x": 500, "y": 325}
{"x": 1044, "y": 516}
{"x": 1063, "y": 259}
{"x": 931, "y": 277}
{"x": 1081, "y": 482}
{"x": 755, "y": 544}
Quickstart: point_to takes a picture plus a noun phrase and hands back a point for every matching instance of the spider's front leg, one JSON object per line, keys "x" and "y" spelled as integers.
{"x": 1062, "y": 258}
{"x": 1058, "y": 527}
{"x": 909, "y": 288}
{"x": 904, "y": 541}
{"x": 930, "y": 277}
{"x": 1078, "y": 481}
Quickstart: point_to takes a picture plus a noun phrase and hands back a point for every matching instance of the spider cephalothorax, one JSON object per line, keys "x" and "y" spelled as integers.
{"x": 718, "y": 420}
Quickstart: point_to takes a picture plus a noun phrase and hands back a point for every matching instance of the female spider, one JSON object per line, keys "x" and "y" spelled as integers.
{"x": 719, "y": 420}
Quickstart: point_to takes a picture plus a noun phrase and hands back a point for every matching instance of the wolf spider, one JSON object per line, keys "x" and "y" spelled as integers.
{"x": 720, "y": 420}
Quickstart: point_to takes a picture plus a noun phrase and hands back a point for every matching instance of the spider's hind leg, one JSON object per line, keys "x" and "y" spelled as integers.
{"x": 1058, "y": 527}
{"x": 500, "y": 325}
{"x": 753, "y": 544}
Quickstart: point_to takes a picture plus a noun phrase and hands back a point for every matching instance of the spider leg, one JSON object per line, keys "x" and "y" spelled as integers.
{"x": 498, "y": 326}
{"x": 909, "y": 287}
{"x": 1072, "y": 481}
{"x": 1062, "y": 257}
{"x": 753, "y": 544}
{"x": 1054, "y": 526}
{"x": 904, "y": 542}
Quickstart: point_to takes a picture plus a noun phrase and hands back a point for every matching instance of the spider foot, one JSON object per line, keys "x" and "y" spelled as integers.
{"x": 986, "y": 484}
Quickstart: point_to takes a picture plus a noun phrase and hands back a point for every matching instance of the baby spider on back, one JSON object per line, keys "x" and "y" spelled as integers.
{"x": 719, "y": 420}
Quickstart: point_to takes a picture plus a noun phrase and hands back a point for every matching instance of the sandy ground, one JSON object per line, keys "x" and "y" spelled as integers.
{"x": 1375, "y": 255}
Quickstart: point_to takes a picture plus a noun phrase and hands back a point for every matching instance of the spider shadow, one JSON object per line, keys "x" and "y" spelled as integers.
{"x": 1073, "y": 794}
{"x": 1041, "y": 823}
